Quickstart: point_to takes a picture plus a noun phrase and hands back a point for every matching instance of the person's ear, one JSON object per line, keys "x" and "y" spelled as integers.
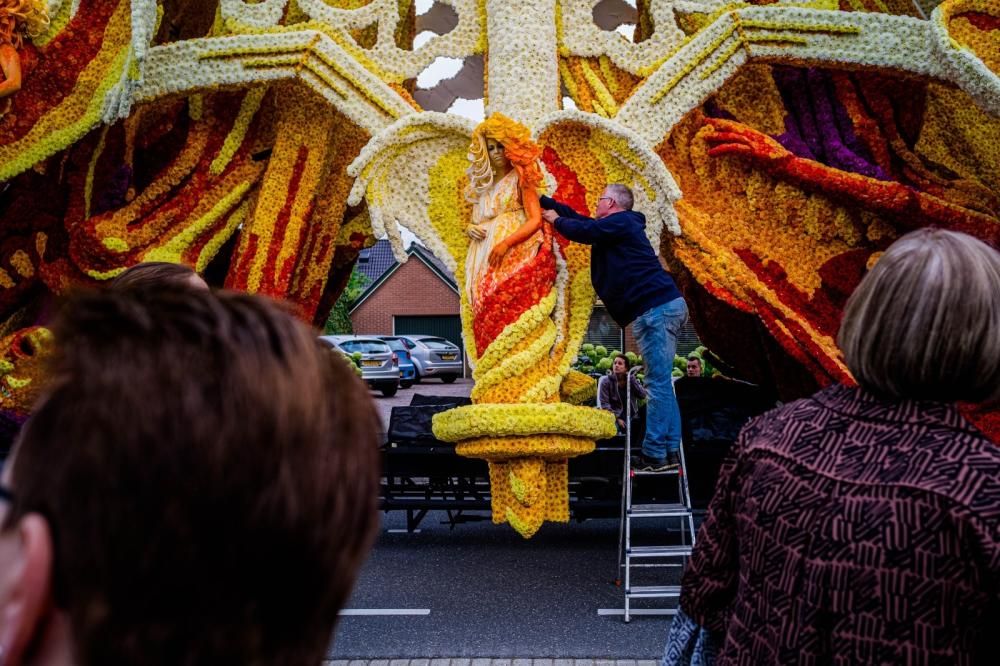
{"x": 25, "y": 587}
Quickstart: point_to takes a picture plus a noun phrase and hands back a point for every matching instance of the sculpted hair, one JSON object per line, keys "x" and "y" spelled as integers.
{"x": 622, "y": 195}
{"x": 924, "y": 323}
{"x": 210, "y": 476}
{"x": 519, "y": 148}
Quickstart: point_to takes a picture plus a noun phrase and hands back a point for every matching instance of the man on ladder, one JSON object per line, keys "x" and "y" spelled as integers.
{"x": 629, "y": 279}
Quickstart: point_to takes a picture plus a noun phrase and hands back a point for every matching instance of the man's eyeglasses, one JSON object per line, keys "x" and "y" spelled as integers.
{"x": 603, "y": 198}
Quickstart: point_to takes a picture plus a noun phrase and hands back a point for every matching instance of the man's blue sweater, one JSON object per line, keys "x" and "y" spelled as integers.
{"x": 624, "y": 270}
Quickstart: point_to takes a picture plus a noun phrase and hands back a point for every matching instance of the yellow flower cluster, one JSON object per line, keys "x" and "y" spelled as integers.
{"x": 578, "y": 388}
{"x": 527, "y": 492}
{"x": 503, "y": 420}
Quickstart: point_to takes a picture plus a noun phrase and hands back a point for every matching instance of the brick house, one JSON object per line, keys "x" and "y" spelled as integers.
{"x": 419, "y": 296}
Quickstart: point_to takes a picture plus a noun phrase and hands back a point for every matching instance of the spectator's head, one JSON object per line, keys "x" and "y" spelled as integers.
{"x": 197, "y": 485}
{"x": 924, "y": 323}
{"x": 158, "y": 273}
{"x": 694, "y": 368}
{"x": 620, "y": 365}
{"x": 615, "y": 198}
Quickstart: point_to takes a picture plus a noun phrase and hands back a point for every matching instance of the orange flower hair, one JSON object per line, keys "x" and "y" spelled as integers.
{"x": 515, "y": 138}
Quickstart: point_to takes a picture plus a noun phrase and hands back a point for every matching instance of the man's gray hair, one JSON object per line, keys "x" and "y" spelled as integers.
{"x": 924, "y": 323}
{"x": 622, "y": 194}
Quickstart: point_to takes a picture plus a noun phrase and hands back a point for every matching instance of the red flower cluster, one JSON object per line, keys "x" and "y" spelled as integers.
{"x": 514, "y": 296}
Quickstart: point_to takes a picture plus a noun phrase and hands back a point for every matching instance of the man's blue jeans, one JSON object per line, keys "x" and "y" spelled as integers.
{"x": 656, "y": 332}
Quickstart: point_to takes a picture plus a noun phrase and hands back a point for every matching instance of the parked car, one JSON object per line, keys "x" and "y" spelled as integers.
{"x": 433, "y": 356}
{"x": 379, "y": 364}
{"x": 407, "y": 370}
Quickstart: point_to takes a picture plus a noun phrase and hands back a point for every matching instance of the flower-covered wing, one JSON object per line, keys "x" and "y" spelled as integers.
{"x": 585, "y": 152}
{"x": 413, "y": 174}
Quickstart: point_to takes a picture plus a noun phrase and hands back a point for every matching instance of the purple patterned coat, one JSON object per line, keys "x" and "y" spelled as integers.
{"x": 847, "y": 529}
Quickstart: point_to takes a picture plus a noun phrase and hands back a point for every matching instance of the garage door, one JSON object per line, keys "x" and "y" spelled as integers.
{"x": 444, "y": 326}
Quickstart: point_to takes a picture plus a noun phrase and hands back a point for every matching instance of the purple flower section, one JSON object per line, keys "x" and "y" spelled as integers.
{"x": 114, "y": 195}
{"x": 817, "y": 126}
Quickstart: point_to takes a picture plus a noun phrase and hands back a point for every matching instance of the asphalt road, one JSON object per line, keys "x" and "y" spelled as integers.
{"x": 486, "y": 591}
{"x": 482, "y": 590}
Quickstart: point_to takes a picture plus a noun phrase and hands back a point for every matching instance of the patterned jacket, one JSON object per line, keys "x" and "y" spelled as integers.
{"x": 850, "y": 530}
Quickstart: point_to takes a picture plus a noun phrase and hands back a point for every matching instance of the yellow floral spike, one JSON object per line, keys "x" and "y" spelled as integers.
{"x": 115, "y": 244}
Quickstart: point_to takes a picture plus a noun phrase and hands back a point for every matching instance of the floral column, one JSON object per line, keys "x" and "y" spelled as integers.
{"x": 522, "y": 39}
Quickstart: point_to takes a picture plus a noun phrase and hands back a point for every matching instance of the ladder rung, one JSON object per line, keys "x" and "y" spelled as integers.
{"x": 658, "y": 510}
{"x": 653, "y": 591}
{"x": 659, "y": 551}
{"x": 666, "y": 472}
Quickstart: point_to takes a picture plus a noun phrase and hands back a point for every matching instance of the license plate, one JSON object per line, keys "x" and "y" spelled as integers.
{"x": 448, "y": 357}
{"x": 371, "y": 364}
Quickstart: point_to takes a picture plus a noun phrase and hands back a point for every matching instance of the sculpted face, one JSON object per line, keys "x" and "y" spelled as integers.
{"x": 498, "y": 160}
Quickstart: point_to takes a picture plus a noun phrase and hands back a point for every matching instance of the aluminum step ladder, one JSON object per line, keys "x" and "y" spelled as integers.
{"x": 677, "y": 514}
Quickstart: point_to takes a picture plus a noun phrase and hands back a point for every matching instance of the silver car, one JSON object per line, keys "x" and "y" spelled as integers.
{"x": 379, "y": 364}
{"x": 433, "y": 356}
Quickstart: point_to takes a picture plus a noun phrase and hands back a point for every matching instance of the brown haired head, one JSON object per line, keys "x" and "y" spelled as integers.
{"x": 924, "y": 323}
{"x": 209, "y": 474}
{"x": 158, "y": 274}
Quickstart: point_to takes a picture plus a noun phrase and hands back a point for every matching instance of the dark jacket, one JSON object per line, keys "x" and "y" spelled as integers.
{"x": 624, "y": 270}
{"x": 612, "y": 398}
{"x": 847, "y": 529}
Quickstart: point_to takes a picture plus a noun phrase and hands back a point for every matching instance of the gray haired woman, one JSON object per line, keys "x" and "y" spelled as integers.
{"x": 862, "y": 525}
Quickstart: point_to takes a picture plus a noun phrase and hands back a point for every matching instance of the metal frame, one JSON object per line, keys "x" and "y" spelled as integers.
{"x": 673, "y": 555}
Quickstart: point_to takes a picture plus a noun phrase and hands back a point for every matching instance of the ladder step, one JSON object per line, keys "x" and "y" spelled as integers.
{"x": 666, "y": 472}
{"x": 658, "y": 510}
{"x": 659, "y": 551}
{"x": 653, "y": 591}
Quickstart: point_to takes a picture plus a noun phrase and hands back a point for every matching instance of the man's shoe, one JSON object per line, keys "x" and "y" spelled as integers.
{"x": 673, "y": 459}
{"x": 642, "y": 463}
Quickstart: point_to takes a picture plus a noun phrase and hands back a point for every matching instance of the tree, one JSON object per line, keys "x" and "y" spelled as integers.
{"x": 339, "y": 321}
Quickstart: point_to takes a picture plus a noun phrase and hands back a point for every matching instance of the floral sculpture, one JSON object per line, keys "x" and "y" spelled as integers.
{"x": 776, "y": 148}
{"x": 525, "y": 305}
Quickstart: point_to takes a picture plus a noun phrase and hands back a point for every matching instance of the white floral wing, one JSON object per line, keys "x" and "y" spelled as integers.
{"x": 624, "y": 158}
{"x": 413, "y": 174}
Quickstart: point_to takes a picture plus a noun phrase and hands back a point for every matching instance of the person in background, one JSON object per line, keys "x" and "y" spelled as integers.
{"x": 613, "y": 389}
{"x": 862, "y": 524}
{"x": 197, "y": 485}
{"x": 158, "y": 273}
{"x": 629, "y": 279}
{"x": 694, "y": 368}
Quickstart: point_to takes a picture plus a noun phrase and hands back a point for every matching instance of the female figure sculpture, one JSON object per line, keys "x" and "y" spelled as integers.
{"x": 506, "y": 228}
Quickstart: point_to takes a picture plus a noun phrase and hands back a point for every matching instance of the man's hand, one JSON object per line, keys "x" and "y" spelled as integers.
{"x": 550, "y": 215}
{"x": 475, "y": 232}
{"x": 621, "y": 422}
{"x": 497, "y": 254}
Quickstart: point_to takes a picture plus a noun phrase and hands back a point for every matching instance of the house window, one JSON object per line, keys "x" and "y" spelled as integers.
{"x": 603, "y": 330}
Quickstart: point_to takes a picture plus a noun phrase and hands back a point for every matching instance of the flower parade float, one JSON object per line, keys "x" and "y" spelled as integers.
{"x": 776, "y": 150}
